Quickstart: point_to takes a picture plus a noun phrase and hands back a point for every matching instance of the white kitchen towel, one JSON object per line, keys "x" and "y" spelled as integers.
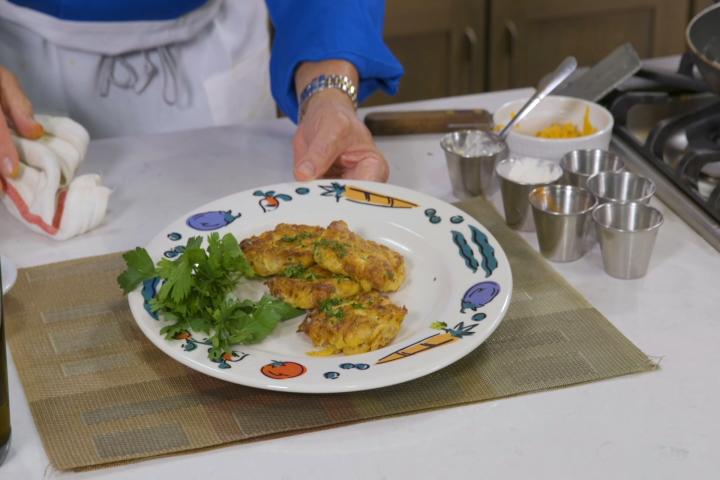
{"x": 46, "y": 196}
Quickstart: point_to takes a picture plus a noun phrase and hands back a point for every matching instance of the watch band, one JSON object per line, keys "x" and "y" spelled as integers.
{"x": 323, "y": 82}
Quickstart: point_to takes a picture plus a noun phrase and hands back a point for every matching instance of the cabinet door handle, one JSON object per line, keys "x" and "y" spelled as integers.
{"x": 512, "y": 39}
{"x": 472, "y": 41}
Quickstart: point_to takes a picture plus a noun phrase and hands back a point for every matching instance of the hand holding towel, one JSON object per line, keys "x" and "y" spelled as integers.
{"x": 46, "y": 196}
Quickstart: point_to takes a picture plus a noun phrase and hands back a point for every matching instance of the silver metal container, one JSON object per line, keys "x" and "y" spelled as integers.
{"x": 471, "y": 158}
{"x": 518, "y": 177}
{"x": 563, "y": 221}
{"x": 579, "y": 165}
{"x": 621, "y": 187}
{"x": 627, "y": 233}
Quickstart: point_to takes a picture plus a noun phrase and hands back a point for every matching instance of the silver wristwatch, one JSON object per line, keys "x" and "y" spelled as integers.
{"x": 322, "y": 82}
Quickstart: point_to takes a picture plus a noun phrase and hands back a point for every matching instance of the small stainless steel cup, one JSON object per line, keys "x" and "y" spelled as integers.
{"x": 621, "y": 187}
{"x": 563, "y": 221}
{"x": 579, "y": 165}
{"x": 627, "y": 233}
{"x": 471, "y": 158}
{"x": 518, "y": 177}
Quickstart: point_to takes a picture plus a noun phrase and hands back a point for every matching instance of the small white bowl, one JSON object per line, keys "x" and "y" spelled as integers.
{"x": 555, "y": 109}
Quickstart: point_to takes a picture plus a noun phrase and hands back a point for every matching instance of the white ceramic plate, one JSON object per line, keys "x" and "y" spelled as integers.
{"x": 9, "y": 273}
{"x": 457, "y": 290}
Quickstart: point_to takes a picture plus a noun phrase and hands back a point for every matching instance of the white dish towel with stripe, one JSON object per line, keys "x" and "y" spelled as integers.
{"x": 46, "y": 196}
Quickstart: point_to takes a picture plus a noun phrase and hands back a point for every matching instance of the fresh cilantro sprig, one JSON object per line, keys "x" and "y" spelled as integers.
{"x": 197, "y": 293}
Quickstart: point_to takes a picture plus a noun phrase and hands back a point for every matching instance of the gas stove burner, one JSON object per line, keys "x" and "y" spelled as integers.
{"x": 695, "y": 130}
{"x": 667, "y": 126}
{"x": 677, "y": 139}
{"x": 701, "y": 170}
{"x": 708, "y": 182}
{"x": 711, "y": 170}
{"x": 714, "y": 137}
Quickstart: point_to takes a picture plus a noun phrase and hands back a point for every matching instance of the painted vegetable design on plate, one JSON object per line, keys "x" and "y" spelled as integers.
{"x": 283, "y": 370}
{"x": 432, "y": 217}
{"x": 489, "y": 262}
{"x": 465, "y": 251}
{"x": 450, "y": 335}
{"x": 332, "y": 375}
{"x": 207, "y": 221}
{"x": 487, "y": 252}
{"x": 358, "y": 195}
{"x": 149, "y": 290}
{"x": 191, "y": 343}
{"x": 479, "y": 295}
{"x": 270, "y": 200}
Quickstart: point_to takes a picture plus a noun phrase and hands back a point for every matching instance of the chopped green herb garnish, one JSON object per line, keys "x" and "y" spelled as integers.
{"x": 295, "y": 238}
{"x": 340, "y": 249}
{"x": 298, "y": 271}
{"x": 197, "y": 293}
{"x": 330, "y": 308}
{"x": 438, "y": 325}
{"x": 357, "y": 305}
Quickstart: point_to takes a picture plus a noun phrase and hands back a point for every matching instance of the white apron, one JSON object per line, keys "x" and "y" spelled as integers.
{"x": 209, "y": 67}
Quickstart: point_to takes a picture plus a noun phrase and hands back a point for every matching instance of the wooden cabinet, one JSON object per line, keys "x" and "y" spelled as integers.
{"x": 453, "y": 47}
{"x": 528, "y": 38}
{"x": 441, "y": 45}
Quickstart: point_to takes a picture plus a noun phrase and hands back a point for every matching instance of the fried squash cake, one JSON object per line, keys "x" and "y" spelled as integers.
{"x": 374, "y": 266}
{"x": 307, "y": 288}
{"x": 271, "y": 252}
{"x": 353, "y": 325}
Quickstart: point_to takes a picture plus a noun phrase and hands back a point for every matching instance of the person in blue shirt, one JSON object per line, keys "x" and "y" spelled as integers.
{"x": 144, "y": 66}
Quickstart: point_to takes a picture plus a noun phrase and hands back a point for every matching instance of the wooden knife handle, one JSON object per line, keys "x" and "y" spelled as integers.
{"x": 427, "y": 121}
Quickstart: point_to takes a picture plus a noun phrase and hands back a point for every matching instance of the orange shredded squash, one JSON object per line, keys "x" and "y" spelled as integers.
{"x": 568, "y": 130}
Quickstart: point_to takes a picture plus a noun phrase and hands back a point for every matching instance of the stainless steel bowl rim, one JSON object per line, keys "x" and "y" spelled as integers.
{"x": 625, "y": 230}
{"x": 582, "y": 191}
{"x": 444, "y": 143}
{"x": 566, "y": 168}
{"x": 516, "y": 159}
{"x": 590, "y": 183}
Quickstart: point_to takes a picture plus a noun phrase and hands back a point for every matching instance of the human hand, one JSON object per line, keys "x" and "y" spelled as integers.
{"x": 332, "y": 142}
{"x": 18, "y": 116}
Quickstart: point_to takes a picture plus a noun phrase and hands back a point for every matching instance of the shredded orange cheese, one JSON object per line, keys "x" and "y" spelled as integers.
{"x": 568, "y": 130}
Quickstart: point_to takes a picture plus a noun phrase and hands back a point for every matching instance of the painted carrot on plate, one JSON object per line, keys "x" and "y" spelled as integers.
{"x": 358, "y": 195}
{"x": 450, "y": 335}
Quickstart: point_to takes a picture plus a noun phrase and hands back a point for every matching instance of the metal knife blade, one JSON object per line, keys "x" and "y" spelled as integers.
{"x": 604, "y": 76}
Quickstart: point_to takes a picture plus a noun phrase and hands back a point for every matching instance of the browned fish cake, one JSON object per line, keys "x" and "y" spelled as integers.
{"x": 307, "y": 288}
{"x": 353, "y": 325}
{"x": 374, "y": 266}
{"x": 287, "y": 245}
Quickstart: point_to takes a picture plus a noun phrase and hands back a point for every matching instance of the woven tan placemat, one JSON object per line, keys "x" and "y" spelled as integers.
{"x": 101, "y": 393}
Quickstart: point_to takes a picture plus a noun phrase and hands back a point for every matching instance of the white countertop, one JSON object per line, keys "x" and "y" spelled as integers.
{"x": 660, "y": 425}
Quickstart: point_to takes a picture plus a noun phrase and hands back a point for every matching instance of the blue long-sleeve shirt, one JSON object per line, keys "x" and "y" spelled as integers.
{"x": 305, "y": 30}
{"x": 313, "y": 30}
